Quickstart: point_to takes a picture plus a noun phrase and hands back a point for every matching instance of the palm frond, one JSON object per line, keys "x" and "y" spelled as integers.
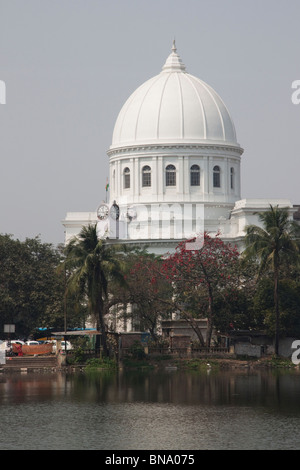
{"x": 278, "y": 238}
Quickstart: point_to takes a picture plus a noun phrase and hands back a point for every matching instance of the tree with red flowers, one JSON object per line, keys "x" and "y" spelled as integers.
{"x": 148, "y": 293}
{"x": 200, "y": 278}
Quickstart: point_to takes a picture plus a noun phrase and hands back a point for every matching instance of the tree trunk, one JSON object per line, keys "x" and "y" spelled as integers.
{"x": 102, "y": 326}
{"x": 209, "y": 317}
{"x": 153, "y": 334}
{"x": 188, "y": 317}
{"x": 209, "y": 331}
{"x": 210, "y": 308}
{"x": 276, "y": 303}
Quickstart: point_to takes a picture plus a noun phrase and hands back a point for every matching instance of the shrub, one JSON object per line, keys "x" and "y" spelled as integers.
{"x": 137, "y": 350}
{"x": 102, "y": 363}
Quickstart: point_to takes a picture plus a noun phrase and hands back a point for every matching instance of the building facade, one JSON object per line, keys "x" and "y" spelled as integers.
{"x": 175, "y": 168}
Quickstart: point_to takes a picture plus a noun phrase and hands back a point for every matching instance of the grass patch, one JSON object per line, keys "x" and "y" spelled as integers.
{"x": 162, "y": 357}
{"x": 101, "y": 363}
{"x": 281, "y": 362}
{"x": 198, "y": 364}
{"x": 136, "y": 363}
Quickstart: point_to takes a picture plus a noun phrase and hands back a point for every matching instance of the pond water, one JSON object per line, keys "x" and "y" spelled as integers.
{"x": 153, "y": 410}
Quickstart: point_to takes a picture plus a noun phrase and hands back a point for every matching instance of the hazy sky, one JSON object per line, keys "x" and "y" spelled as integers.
{"x": 69, "y": 66}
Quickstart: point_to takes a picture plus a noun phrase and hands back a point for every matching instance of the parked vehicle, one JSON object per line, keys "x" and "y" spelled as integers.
{"x": 32, "y": 343}
{"x": 65, "y": 345}
{"x": 7, "y": 346}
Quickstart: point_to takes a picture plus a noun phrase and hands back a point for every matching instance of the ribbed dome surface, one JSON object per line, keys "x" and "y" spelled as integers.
{"x": 173, "y": 107}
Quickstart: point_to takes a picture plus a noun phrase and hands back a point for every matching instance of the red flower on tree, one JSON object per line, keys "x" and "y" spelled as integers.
{"x": 200, "y": 276}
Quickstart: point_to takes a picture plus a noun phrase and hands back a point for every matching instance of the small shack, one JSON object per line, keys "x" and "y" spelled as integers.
{"x": 181, "y": 328}
{"x": 93, "y": 335}
{"x": 250, "y": 343}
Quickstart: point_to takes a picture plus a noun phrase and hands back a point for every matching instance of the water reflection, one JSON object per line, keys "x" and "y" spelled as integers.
{"x": 278, "y": 390}
{"x": 150, "y": 410}
{"x": 18, "y": 388}
{"x": 268, "y": 389}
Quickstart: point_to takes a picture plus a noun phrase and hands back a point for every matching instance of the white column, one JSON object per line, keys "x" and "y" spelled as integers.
{"x": 210, "y": 165}
{"x": 118, "y": 191}
{"x": 112, "y": 183}
{"x": 154, "y": 177}
{"x": 226, "y": 178}
{"x": 136, "y": 178}
{"x": 186, "y": 175}
{"x": 160, "y": 177}
{"x": 180, "y": 175}
{"x": 238, "y": 180}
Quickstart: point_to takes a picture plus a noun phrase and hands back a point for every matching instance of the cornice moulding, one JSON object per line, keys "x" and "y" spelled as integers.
{"x": 184, "y": 147}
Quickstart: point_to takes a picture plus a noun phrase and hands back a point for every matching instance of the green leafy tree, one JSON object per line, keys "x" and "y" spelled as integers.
{"x": 31, "y": 292}
{"x": 273, "y": 245}
{"x": 289, "y": 306}
{"x": 235, "y": 311}
{"x": 92, "y": 264}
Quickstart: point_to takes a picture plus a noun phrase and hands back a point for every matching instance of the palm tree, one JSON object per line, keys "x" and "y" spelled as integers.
{"x": 273, "y": 244}
{"x": 92, "y": 264}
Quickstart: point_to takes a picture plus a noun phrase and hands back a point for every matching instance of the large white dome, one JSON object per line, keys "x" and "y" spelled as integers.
{"x": 174, "y": 107}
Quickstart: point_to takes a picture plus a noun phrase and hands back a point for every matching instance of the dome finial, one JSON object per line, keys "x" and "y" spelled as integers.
{"x": 173, "y": 62}
{"x": 174, "y": 46}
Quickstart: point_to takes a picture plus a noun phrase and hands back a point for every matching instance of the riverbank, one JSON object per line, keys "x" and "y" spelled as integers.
{"x": 196, "y": 364}
{"x": 210, "y": 363}
{"x": 42, "y": 364}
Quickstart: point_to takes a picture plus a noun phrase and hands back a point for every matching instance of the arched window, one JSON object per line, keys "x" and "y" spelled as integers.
{"x": 195, "y": 175}
{"x": 170, "y": 175}
{"x": 126, "y": 178}
{"x": 146, "y": 176}
{"x": 232, "y": 178}
{"x": 217, "y": 177}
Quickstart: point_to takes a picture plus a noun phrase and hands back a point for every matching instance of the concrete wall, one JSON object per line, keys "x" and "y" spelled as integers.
{"x": 256, "y": 350}
{"x": 128, "y": 339}
{"x": 181, "y": 327}
{"x": 180, "y": 341}
{"x": 247, "y": 349}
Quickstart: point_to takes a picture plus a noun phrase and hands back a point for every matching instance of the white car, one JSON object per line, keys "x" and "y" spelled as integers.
{"x": 8, "y": 345}
{"x": 32, "y": 343}
{"x": 64, "y": 345}
{"x": 5, "y": 346}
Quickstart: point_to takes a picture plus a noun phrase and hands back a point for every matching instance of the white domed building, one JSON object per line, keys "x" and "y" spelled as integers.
{"x": 174, "y": 167}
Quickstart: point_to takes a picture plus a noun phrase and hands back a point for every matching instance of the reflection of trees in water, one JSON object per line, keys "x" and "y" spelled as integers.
{"x": 262, "y": 388}
{"x": 271, "y": 390}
